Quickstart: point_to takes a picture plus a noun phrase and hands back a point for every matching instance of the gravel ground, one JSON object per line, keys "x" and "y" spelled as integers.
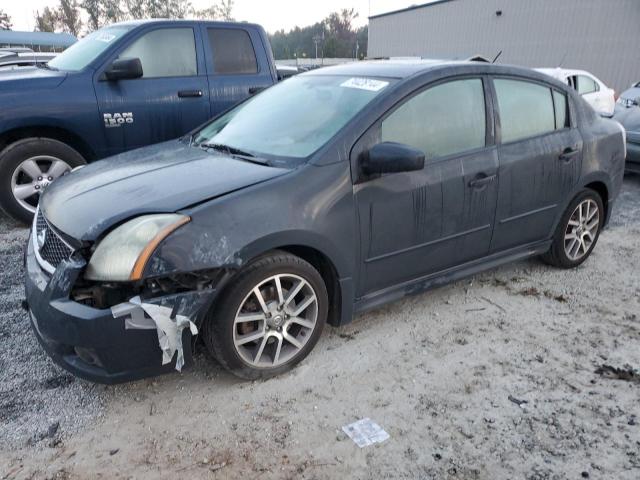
{"x": 497, "y": 376}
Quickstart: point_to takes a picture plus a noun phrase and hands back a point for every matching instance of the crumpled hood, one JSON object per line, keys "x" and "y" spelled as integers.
{"x": 161, "y": 178}
{"x": 29, "y": 78}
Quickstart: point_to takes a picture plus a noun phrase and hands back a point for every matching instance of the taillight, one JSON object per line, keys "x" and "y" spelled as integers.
{"x": 615, "y": 95}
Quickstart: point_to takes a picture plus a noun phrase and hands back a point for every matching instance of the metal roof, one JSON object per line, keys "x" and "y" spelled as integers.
{"x": 36, "y": 38}
{"x": 412, "y": 7}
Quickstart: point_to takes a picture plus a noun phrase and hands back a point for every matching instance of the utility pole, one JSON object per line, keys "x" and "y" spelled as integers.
{"x": 316, "y": 40}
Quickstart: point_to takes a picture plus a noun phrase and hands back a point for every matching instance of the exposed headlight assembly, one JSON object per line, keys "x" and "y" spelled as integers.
{"x": 123, "y": 254}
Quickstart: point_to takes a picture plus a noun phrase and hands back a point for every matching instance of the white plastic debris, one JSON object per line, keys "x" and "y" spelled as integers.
{"x": 169, "y": 329}
{"x": 365, "y": 432}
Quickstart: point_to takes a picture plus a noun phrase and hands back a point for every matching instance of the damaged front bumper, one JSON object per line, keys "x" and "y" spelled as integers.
{"x": 94, "y": 344}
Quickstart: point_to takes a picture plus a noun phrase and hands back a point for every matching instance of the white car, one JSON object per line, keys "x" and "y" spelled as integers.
{"x": 592, "y": 89}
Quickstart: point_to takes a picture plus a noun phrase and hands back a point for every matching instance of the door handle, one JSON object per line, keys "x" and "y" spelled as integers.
{"x": 568, "y": 154}
{"x": 482, "y": 180}
{"x": 189, "y": 93}
{"x": 254, "y": 90}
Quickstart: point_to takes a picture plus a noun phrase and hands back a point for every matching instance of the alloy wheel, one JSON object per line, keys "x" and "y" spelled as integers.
{"x": 582, "y": 229}
{"x": 33, "y": 176}
{"x": 275, "y": 320}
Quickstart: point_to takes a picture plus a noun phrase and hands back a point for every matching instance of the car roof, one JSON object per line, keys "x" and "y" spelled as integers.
{"x": 168, "y": 21}
{"x": 564, "y": 72}
{"x": 401, "y": 69}
{"x": 397, "y": 68}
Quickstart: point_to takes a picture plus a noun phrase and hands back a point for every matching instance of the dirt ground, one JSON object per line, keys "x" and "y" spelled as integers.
{"x": 493, "y": 377}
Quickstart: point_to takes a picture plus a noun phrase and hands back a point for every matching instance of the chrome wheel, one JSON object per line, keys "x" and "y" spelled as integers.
{"x": 275, "y": 321}
{"x": 32, "y": 176}
{"x": 582, "y": 229}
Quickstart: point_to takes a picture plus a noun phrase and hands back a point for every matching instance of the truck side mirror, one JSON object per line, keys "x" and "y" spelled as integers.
{"x": 391, "y": 157}
{"x": 124, "y": 68}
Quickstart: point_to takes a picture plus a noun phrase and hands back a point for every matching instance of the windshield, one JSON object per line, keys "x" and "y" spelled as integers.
{"x": 293, "y": 118}
{"x": 83, "y": 52}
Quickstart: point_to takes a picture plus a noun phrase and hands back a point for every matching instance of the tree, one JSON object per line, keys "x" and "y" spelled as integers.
{"x": 335, "y": 36}
{"x": 218, "y": 11}
{"x": 226, "y": 10}
{"x": 46, "y": 21}
{"x": 113, "y": 11}
{"x": 95, "y": 13}
{"x": 5, "y": 21}
{"x": 69, "y": 16}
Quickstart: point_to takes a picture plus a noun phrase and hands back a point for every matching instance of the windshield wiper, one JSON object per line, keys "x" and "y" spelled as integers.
{"x": 234, "y": 152}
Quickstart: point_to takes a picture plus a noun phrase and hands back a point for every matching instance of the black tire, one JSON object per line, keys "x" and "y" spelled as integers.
{"x": 12, "y": 157}
{"x": 218, "y": 328}
{"x": 557, "y": 256}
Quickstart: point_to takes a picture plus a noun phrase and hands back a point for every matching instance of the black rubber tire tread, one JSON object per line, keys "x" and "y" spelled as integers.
{"x": 14, "y": 154}
{"x": 556, "y": 255}
{"x": 218, "y": 324}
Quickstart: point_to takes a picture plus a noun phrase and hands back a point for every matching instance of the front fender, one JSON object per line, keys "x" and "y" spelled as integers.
{"x": 229, "y": 232}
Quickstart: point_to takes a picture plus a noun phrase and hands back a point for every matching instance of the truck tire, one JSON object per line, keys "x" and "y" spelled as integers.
{"x": 257, "y": 338}
{"x": 27, "y": 167}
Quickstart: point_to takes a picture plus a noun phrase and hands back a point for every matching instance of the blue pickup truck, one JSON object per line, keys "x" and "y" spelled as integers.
{"x": 124, "y": 86}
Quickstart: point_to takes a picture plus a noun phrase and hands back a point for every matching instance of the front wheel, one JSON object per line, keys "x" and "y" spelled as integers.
{"x": 578, "y": 231}
{"x": 27, "y": 167}
{"x": 269, "y": 318}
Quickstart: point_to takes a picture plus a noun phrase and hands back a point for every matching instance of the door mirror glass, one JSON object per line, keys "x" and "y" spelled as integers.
{"x": 124, "y": 68}
{"x": 391, "y": 157}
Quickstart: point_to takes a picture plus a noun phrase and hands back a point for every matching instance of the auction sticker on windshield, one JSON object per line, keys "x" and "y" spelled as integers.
{"x": 105, "y": 37}
{"x": 365, "y": 84}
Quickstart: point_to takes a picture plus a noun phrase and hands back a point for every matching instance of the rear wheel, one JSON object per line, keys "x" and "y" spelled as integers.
{"x": 27, "y": 167}
{"x": 578, "y": 231}
{"x": 270, "y": 318}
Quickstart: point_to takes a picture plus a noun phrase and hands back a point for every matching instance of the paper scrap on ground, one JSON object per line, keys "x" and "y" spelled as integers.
{"x": 169, "y": 330}
{"x": 365, "y": 432}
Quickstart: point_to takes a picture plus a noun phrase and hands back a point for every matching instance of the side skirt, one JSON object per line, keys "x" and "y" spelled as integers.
{"x": 444, "y": 277}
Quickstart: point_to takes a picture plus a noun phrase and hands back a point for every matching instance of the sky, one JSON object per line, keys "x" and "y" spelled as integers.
{"x": 271, "y": 14}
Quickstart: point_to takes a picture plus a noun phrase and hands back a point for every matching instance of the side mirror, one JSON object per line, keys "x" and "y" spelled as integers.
{"x": 391, "y": 157}
{"x": 124, "y": 68}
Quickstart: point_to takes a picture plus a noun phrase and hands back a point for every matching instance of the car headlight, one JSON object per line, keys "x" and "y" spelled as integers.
{"x": 123, "y": 254}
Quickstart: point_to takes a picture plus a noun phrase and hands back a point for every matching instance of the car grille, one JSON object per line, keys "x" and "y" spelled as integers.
{"x": 51, "y": 249}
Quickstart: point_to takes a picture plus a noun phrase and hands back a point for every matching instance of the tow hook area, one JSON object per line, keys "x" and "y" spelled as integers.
{"x": 169, "y": 316}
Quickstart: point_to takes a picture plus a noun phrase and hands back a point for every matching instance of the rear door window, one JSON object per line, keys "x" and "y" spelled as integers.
{"x": 166, "y": 52}
{"x": 443, "y": 120}
{"x": 586, "y": 85}
{"x": 232, "y": 51}
{"x": 526, "y": 109}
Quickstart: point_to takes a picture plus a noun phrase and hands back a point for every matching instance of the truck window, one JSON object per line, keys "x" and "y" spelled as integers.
{"x": 232, "y": 51}
{"x": 166, "y": 52}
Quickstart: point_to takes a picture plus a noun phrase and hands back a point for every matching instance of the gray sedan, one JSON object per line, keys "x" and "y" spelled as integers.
{"x": 332, "y": 193}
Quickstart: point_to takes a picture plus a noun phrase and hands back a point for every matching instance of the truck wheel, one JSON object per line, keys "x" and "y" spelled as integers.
{"x": 269, "y": 318}
{"x": 578, "y": 231}
{"x": 27, "y": 167}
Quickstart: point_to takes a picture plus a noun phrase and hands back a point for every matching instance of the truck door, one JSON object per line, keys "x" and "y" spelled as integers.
{"x": 171, "y": 97}
{"x": 237, "y": 65}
